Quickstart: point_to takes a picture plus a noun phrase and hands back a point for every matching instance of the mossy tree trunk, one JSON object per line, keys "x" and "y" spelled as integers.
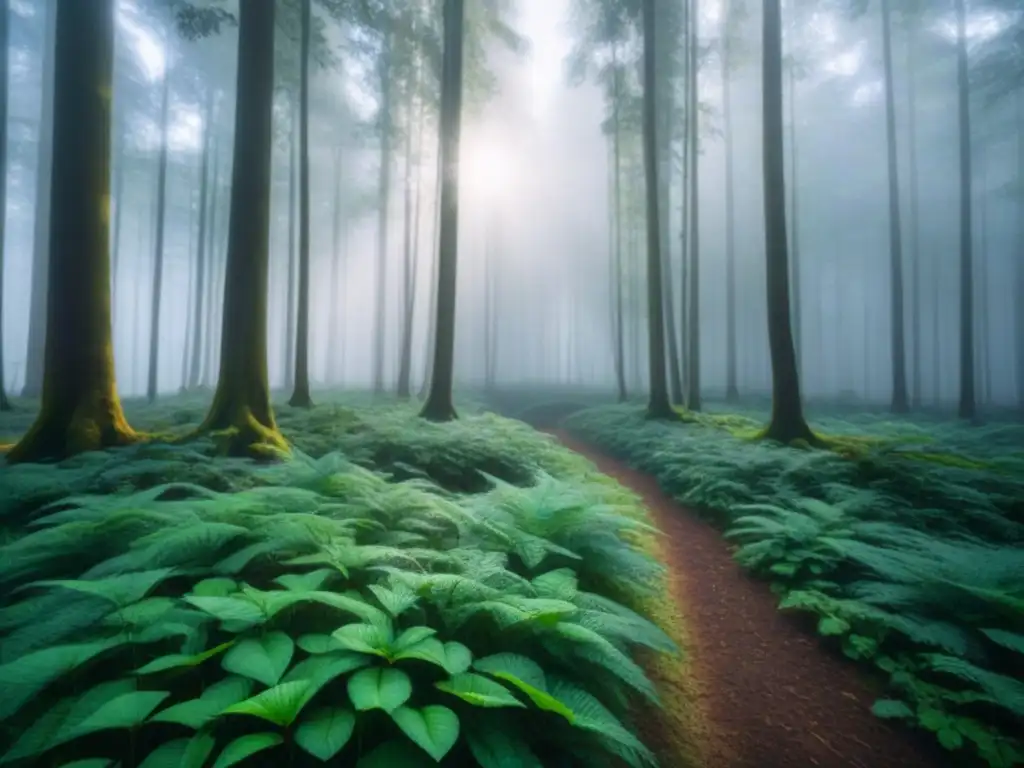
{"x": 158, "y": 254}
{"x": 241, "y": 402}
{"x": 300, "y": 395}
{"x": 787, "y": 421}
{"x": 5, "y": 404}
{"x": 80, "y": 408}
{"x": 439, "y": 405}
{"x": 658, "y": 406}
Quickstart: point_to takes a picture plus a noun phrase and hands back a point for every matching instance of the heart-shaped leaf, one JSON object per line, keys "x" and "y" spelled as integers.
{"x": 434, "y": 728}
{"x": 263, "y": 658}
{"x": 195, "y": 713}
{"x": 326, "y": 731}
{"x": 279, "y": 705}
{"x": 246, "y": 746}
{"x": 379, "y": 688}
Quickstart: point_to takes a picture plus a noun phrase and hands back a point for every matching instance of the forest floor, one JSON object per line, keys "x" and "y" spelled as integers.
{"x": 772, "y": 696}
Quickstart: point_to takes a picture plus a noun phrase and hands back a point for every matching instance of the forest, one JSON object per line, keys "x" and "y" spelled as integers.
{"x": 510, "y": 383}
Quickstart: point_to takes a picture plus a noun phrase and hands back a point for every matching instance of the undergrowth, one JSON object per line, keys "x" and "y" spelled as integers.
{"x": 914, "y": 566}
{"x": 162, "y": 607}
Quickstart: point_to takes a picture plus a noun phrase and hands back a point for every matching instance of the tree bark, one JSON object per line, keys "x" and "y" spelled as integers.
{"x": 439, "y": 405}
{"x": 204, "y": 190}
{"x": 80, "y": 408}
{"x": 241, "y": 404}
{"x": 293, "y": 220}
{"x": 158, "y": 253}
{"x": 404, "y": 389}
{"x": 794, "y": 217}
{"x": 967, "y": 408}
{"x": 787, "y": 420}
{"x": 5, "y": 404}
{"x": 334, "y": 336}
{"x": 38, "y": 311}
{"x": 1018, "y": 304}
{"x": 913, "y": 246}
{"x": 620, "y": 347}
{"x": 732, "y": 394}
{"x": 384, "y": 191}
{"x": 659, "y": 406}
{"x": 300, "y": 396}
{"x": 897, "y": 338}
{"x": 693, "y": 399}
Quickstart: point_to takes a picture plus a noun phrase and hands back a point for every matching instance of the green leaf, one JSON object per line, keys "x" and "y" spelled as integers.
{"x": 891, "y": 708}
{"x": 247, "y": 746}
{"x": 832, "y": 625}
{"x": 526, "y": 675}
{"x": 324, "y": 668}
{"x": 315, "y": 644}
{"x": 434, "y": 728}
{"x": 122, "y": 590}
{"x": 237, "y": 610}
{"x": 174, "y": 660}
{"x": 397, "y": 599}
{"x": 379, "y": 688}
{"x": 218, "y": 586}
{"x": 458, "y": 657}
{"x": 181, "y": 753}
{"x": 479, "y": 691}
{"x": 392, "y": 754}
{"x": 145, "y": 612}
{"x": 305, "y": 582}
{"x": 326, "y": 731}
{"x": 932, "y": 719}
{"x": 90, "y": 762}
{"x": 950, "y": 738}
{"x": 495, "y": 747}
{"x": 1010, "y": 640}
{"x": 125, "y": 711}
{"x": 195, "y": 713}
{"x": 24, "y": 677}
{"x": 263, "y": 658}
{"x": 279, "y": 705}
{"x": 411, "y": 637}
{"x": 365, "y": 638}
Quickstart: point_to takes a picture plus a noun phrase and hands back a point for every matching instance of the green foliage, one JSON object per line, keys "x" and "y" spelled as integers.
{"x": 911, "y": 560}
{"x": 314, "y": 610}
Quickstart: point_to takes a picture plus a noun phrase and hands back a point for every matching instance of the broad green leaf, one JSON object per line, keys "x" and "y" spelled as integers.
{"x": 247, "y": 746}
{"x": 1011, "y": 640}
{"x": 167, "y": 755}
{"x": 324, "y": 668}
{"x": 526, "y": 675}
{"x": 392, "y": 754}
{"x": 832, "y": 625}
{"x": 891, "y": 708}
{"x": 125, "y": 711}
{"x": 397, "y": 599}
{"x": 262, "y": 658}
{"x": 90, "y": 762}
{"x": 198, "y": 751}
{"x": 279, "y": 705}
{"x": 495, "y": 747}
{"x": 145, "y": 612}
{"x": 434, "y": 728}
{"x": 315, "y": 644}
{"x": 174, "y": 660}
{"x": 24, "y": 677}
{"x": 950, "y": 738}
{"x": 217, "y": 586}
{"x": 428, "y": 649}
{"x": 364, "y": 638}
{"x": 195, "y": 713}
{"x": 326, "y": 731}
{"x": 236, "y": 610}
{"x": 411, "y": 637}
{"x": 305, "y": 582}
{"x": 122, "y": 590}
{"x": 379, "y": 688}
{"x": 458, "y": 657}
{"x": 479, "y": 691}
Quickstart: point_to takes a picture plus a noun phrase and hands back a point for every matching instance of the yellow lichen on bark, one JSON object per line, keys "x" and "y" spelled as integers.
{"x": 236, "y": 429}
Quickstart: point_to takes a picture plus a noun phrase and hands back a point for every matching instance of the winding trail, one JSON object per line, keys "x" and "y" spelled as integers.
{"x": 771, "y": 695}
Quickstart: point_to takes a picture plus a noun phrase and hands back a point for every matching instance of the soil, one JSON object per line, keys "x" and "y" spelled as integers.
{"x": 771, "y": 694}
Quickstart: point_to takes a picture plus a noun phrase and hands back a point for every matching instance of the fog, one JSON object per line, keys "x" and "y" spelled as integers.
{"x": 536, "y": 298}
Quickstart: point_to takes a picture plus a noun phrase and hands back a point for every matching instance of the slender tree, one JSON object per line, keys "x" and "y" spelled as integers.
{"x": 731, "y": 389}
{"x": 80, "y": 408}
{"x": 787, "y": 420}
{"x": 293, "y": 220}
{"x": 201, "y": 235}
{"x": 334, "y": 336}
{"x": 300, "y": 396}
{"x": 241, "y": 403}
{"x": 5, "y": 404}
{"x": 386, "y": 75}
{"x": 659, "y": 406}
{"x": 967, "y": 407}
{"x": 158, "y": 248}
{"x": 693, "y": 401}
{"x": 914, "y": 224}
{"x": 439, "y": 405}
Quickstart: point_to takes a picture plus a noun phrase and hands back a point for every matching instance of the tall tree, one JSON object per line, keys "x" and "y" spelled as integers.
{"x": 241, "y": 403}
{"x": 411, "y": 234}
{"x": 967, "y": 408}
{"x": 201, "y": 266}
{"x": 334, "y": 335}
{"x": 158, "y": 248}
{"x": 386, "y": 76}
{"x": 439, "y": 405}
{"x": 293, "y": 220}
{"x": 787, "y": 420}
{"x": 5, "y": 404}
{"x": 1018, "y": 304}
{"x": 659, "y": 406}
{"x": 898, "y": 340}
{"x": 731, "y": 389}
{"x": 38, "y": 310}
{"x": 693, "y": 303}
{"x": 300, "y": 396}
{"x": 80, "y": 408}
{"x": 914, "y": 224}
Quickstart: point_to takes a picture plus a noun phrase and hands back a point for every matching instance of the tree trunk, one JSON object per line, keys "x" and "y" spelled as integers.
{"x": 204, "y": 189}
{"x": 334, "y": 336}
{"x": 439, "y": 405}
{"x": 384, "y": 192}
{"x": 984, "y": 358}
{"x": 1018, "y": 304}
{"x": 967, "y": 407}
{"x": 435, "y": 239}
{"x": 38, "y": 293}
{"x": 191, "y": 298}
{"x": 897, "y": 339}
{"x": 158, "y": 254}
{"x": 693, "y": 401}
{"x": 620, "y": 347}
{"x": 241, "y": 403}
{"x": 794, "y": 217}
{"x": 80, "y": 408}
{"x": 293, "y": 220}
{"x": 914, "y": 249}
{"x": 408, "y": 265}
{"x": 214, "y": 256}
{"x": 120, "y": 162}
{"x": 659, "y": 406}
{"x": 731, "y": 388}
{"x": 5, "y": 404}
{"x": 300, "y": 396}
{"x": 787, "y": 421}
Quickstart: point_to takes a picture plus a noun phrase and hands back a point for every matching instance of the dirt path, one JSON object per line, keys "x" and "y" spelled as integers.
{"x": 773, "y": 697}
